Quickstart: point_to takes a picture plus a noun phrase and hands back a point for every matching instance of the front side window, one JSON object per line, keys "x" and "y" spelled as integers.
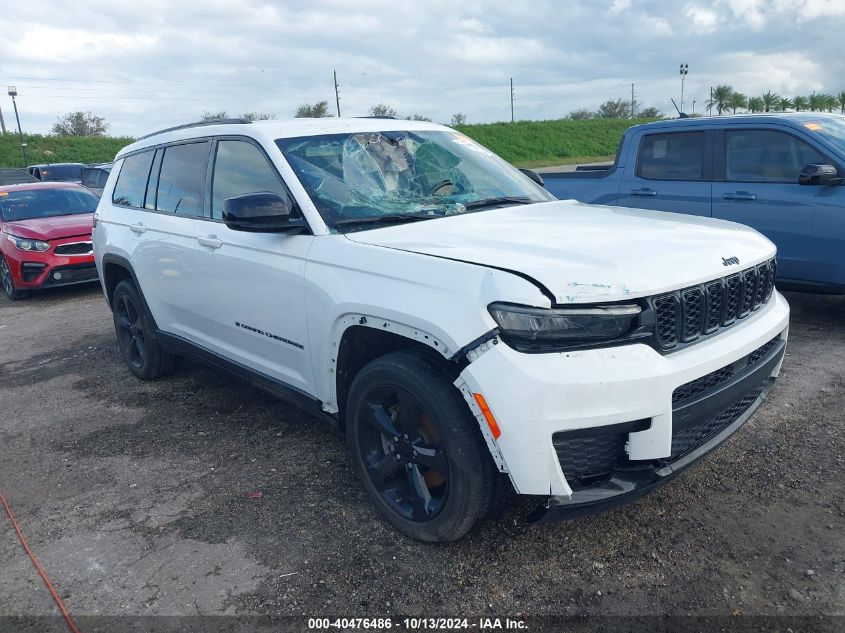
{"x": 31, "y": 204}
{"x": 132, "y": 180}
{"x": 181, "y": 181}
{"x": 675, "y": 156}
{"x": 240, "y": 168}
{"x": 766, "y": 156}
{"x": 357, "y": 180}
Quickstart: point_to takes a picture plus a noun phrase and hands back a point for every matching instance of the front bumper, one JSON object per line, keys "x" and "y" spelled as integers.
{"x": 539, "y": 401}
{"x": 32, "y": 270}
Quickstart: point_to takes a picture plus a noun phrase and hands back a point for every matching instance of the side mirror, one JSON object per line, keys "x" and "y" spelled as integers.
{"x": 824, "y": 175}
{"x": 262, "y": 212}
{"x": 533, "y": 175}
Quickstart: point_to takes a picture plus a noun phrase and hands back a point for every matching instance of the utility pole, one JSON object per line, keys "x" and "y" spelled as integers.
{"x": 633, "y": 102}
{"x": 336, "y": 93}
{"x": 512, "y": 99}
{"x": 13, "y": 92}
{"x": 2, "y": 122}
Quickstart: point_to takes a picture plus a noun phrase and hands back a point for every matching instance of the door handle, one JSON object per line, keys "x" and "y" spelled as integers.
{"x": 739, "y": 195}
{"x": 138, "y": 229}
{"x": 643, "y": 193}
{"x": 210, "y": 241}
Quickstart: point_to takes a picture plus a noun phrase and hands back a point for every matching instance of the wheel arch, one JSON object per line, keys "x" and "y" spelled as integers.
{"x": 361, "y": 338}
{"x": 117, "y": 268}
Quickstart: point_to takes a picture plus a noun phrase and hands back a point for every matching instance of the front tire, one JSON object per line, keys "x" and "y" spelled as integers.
{"x": 417, "y": 448}
{"x": 8, "y": 282}
{"x": 135, "y": 336}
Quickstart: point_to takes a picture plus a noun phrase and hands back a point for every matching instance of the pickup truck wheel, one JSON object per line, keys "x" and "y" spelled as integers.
{"x": 417, "y": 448}
{"x": 135, "y": 338}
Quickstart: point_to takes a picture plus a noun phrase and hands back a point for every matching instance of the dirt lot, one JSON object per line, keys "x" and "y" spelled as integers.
{"x": 135, "y": 496}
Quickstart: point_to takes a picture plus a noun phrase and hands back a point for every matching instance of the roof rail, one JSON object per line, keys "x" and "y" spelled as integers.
{"x": 195, "y": 124}
{"x": 376, "y": 116}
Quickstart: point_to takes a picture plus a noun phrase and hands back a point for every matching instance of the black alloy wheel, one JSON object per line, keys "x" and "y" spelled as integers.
{"x": 417, "y": 447}
{"x": 136, "y": 336}
{"x": 403, "y": 453}
{"x": 130, "y": 331}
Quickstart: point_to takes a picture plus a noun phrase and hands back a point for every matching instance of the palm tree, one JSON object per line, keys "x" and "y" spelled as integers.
{"x": 840, "y": 99}
{"x": 816, "y": 102}
{"x": 830, "y": 102}
{"x": 755, "y": 104}
{"x": 737, "y": 100}
{"x": 800, "y": 103}
{"x": 784, "y": 104}
{"x": 770, "y": 100}
{"x": 719, "y": 98}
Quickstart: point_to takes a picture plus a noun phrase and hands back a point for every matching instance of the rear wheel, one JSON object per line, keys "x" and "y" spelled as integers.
{"x": 135, "y": 337}
{"x": 8, "y": 282}
{"x": 417, "y": 448}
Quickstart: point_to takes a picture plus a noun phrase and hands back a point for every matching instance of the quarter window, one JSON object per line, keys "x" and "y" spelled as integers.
{"x": 132, "y": 181}
{"x": 676, "y": 156}
{"x": 766, "y": 156}
{"x": 241, "y": 168}
{"x": 181, "y": 181}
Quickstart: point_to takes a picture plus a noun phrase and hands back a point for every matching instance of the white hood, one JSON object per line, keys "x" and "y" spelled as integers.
{"x": 583, "y": 252}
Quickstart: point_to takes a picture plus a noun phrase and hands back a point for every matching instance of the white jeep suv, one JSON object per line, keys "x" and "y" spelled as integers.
{"x": 463, "y": 327}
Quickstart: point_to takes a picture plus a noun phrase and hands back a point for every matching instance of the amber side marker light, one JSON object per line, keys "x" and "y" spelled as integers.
{"x": 488, "y": 415}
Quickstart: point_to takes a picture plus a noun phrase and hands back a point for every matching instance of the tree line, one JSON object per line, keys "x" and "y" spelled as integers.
{"x": 616, "y": 109}
{"x": 725, "y": 99}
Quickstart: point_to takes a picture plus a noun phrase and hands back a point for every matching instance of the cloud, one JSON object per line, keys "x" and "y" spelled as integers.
{"x": 153, "y": 64}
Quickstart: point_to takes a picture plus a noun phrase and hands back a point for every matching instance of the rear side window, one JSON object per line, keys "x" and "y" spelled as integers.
{"x": 766, "y": 156}
{"x": 676, "y": 156}
{"x": 240, "y": 167}
{"x": 181, "y": 181}
{"x": 132, "y": 180}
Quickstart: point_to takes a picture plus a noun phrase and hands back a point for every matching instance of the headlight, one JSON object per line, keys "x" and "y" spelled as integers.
{"x": 28, "y": 245}
{"x": 534, "y": 329}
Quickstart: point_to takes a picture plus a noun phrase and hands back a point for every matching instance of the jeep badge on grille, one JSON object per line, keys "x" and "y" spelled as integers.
{"x": 728, "y": 261}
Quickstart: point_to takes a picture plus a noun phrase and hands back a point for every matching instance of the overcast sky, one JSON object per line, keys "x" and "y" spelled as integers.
{"x": 149, "y": 64}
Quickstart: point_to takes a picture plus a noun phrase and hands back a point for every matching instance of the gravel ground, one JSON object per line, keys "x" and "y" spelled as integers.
{"x": 136, "y": 498}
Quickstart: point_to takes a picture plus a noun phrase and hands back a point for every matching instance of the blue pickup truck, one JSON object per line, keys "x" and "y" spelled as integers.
{"x": 781, "y": 174}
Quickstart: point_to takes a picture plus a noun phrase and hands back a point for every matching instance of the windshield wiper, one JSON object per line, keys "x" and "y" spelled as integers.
{"x": 489, "y": 202}
{"x": 390, "y": 218}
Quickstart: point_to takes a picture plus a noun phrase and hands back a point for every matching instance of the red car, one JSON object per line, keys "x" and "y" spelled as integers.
{"x": 45, "y": 236}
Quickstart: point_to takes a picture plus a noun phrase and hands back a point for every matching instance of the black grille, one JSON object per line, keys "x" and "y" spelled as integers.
{"x": 699, "y": 385}
{"x": 693, "y": 317}
{"x": 71, "y": 274}
{"x": 31, "y": 270}
{"x": 734, "y": 292}
{"x": 666, "y": 315}
{"x": 686, "y": 440}
{"x": 686, "y": 315}
{"x": 715, "y": 293}
{"x": 588, "y": 457}
{"x": 749, "y": 292}
{"x": 758, "y": 353}
{"x": 714, "y": 378}
{"x": 78, "y": 248}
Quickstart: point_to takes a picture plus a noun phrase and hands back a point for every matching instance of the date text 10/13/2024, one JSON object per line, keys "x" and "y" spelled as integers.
{"x": 417, "y": 624}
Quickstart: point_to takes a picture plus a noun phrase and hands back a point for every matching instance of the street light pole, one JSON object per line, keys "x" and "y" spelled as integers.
{"x": 693, "y": 106}
{"x": 13, "y": 92}
{"x": 684, "y": 71}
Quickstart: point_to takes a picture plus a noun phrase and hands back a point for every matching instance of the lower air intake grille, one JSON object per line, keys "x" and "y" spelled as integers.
{"x": 686, "y": 440}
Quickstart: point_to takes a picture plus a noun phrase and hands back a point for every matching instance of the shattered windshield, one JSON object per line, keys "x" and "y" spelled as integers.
{"x": 359, "y": 180}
